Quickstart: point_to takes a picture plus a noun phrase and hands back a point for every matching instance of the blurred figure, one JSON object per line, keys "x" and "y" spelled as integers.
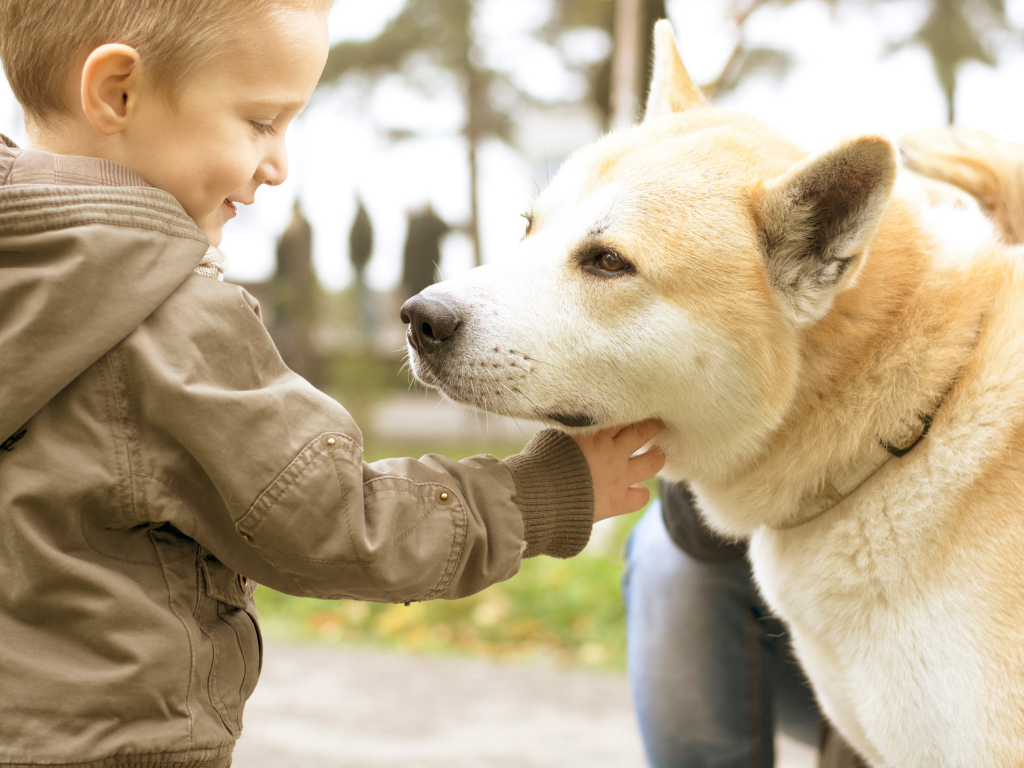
{"x": 712, "y": 671}
{"x": 360, "y": 249}
{"x": 422, "y": 250}
{"x": 360, "y": 240}
{"x": 296, "y": 295}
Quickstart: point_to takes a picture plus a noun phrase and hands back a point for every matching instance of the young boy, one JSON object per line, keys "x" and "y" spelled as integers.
{"x": 158, "y": 459}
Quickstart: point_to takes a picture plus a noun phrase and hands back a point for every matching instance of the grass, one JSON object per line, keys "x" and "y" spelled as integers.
{"x": 568, "y": 611}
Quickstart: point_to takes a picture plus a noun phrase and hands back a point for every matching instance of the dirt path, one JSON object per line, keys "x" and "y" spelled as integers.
{"x": 329, "y": 707}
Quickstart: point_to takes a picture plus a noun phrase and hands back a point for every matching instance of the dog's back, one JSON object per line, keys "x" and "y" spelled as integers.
{"x": 990, "y": 170}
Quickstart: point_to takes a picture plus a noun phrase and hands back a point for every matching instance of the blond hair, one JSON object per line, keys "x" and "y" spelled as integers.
{"x": 43, "y": 41}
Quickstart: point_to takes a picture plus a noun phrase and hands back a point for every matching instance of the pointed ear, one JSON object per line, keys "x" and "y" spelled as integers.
{"x": 816, "y": 220}
{"x": 672, "y": 90}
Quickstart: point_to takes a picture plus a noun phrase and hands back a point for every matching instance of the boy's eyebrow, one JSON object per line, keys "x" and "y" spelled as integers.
{"x": 281, "y": 105}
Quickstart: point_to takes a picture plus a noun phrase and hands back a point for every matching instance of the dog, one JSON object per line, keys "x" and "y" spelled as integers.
{"x": 835, "y": 347}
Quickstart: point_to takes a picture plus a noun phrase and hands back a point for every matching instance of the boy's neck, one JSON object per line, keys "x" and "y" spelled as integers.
{"x": 65, "y": 136}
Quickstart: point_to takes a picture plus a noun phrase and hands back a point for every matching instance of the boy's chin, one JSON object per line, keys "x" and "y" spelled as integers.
{"x": 214, "y": 233}
{"x": 213, "y": 225}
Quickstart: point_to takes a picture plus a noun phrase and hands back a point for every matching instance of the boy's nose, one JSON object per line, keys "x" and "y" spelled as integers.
{"x": 274, "y": 169}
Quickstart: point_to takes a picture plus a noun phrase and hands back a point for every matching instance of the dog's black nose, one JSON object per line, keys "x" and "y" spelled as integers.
{"x": 431, "y": 322}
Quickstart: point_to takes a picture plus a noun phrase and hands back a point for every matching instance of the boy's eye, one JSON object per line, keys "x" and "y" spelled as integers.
{"x": 263, "y": 129}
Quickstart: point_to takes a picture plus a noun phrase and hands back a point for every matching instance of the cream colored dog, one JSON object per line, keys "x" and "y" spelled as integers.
{"x": 798, "y": 322}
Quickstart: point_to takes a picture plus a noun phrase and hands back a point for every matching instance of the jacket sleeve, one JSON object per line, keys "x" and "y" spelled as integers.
{"x": 278, "y": 489}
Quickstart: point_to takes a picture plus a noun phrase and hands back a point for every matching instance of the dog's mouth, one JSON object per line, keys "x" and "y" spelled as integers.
{"x": 503, "y": 400}
{"x": 572, "y": 419}
{"x": 496, "y": 383}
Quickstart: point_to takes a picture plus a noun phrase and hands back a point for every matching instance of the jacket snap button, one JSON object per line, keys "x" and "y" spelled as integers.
{"x": 243, "y": 582}
{"x": 247, "y": 537}
{"x": 329, "y": 441}
{"x": 443, "y": 496}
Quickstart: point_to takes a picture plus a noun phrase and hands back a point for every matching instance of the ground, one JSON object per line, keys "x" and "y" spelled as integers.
{"x": 342, "y": 707}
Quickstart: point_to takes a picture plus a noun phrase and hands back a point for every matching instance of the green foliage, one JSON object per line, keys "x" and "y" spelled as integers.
{"x": 953, "y": 33}
{"x": 957, "y": 32}
{"x": 441, "y": 31}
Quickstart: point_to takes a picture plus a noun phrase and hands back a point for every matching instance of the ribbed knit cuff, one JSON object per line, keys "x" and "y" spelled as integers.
{"x": 555, "y": 493}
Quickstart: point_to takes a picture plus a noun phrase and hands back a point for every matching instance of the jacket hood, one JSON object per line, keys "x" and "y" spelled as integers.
{"x": 87, "y": 251}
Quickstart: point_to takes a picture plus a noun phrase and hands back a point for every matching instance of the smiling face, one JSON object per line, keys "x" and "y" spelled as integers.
{"x": 223, "y": 136}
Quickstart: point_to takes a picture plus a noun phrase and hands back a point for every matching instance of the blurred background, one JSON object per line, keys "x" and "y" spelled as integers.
{"x": 435, "y": 124}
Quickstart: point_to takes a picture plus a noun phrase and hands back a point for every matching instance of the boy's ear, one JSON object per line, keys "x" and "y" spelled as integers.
{"x": 816, "y": 220}
{"x": 672, "y": 90}
{"x": 110, "y": 81}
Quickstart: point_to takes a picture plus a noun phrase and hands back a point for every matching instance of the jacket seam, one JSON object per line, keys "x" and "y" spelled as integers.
{"x": 219, "y": 705}
{"x": 453, "y": 558}
{"x": 188, "y": 638}
{"x": 273, "y": 494}
{"x": 129, "y": 497}
{"x": 278, "y": 493}
{"x": 84, "y": 209}
{"x": 132, "y": 442}
{"x": 246, "y": 672}
{"x": 119, "y": 439}
{"x": 207, "y": 756}
{"x": 373, "y": 582}
{"x": 394, "y": 543}
{"x": 363, "y": 567}
{"x": 72, "y": 205}
{"x": 170, "y": 488}
{"x": 85, "y": 535}
{"x": 437, "y": 588}
{"x": 384, "y": 554}
{"x": 31, "y": 225}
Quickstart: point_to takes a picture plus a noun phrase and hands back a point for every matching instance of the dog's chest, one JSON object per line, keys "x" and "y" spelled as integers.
{"x": 889, "y": 654}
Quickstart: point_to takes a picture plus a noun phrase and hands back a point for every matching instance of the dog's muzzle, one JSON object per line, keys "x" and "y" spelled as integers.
{"x": 431, "y": 323}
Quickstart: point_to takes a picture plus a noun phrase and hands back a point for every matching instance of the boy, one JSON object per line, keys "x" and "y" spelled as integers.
{"x": 158, "y": 459}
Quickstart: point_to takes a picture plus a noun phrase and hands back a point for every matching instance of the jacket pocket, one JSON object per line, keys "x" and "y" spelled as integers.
{"x": 228, "y": 617}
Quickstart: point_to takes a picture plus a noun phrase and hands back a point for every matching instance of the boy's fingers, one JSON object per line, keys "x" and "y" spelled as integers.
{"x": 644, "y": 466}
{"x": 635, "y": 436}
{"x": 636, "y": 497}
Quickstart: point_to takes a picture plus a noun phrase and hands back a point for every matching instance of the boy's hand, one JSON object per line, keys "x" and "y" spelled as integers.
{"x": 617, "y": 477}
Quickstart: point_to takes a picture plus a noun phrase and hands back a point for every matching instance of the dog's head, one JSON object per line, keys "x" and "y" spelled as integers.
{"x": 668, "y": 271}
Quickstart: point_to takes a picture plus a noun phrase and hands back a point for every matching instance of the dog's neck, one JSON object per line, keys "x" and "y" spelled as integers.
{"x": 889, "y": 349}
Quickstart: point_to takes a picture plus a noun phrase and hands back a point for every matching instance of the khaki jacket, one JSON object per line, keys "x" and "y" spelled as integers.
{"x": 159, "y": 460}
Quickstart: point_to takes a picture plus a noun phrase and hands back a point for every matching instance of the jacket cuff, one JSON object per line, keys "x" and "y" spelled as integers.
{"x": 555, "y": 493}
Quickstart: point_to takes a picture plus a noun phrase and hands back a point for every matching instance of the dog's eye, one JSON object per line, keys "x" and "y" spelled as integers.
{"x": 610, "y": 262}
{"x": 529, "y": 224}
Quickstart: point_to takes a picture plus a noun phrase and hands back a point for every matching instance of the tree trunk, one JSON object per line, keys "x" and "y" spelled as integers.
{"x": 653, "y": 11}
{"x": 625, "y": 63}
{"x": 474, "y": 202}
{"x": 475, "y": 109}
{"x": 631, "y": 60}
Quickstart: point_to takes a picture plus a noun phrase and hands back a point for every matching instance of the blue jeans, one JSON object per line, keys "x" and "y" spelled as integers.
{"x": 712, "y": 671}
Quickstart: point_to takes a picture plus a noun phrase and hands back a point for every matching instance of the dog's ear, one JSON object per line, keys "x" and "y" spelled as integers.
{"x": 816, "y": 220}
{"x": 672, "y": 90}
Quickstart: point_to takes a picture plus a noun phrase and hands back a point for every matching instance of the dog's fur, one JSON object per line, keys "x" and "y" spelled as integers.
{"x": 780, "y": 312}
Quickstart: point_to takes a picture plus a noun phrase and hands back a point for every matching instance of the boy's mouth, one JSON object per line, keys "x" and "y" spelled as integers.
{"x": 231, "y": 207}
